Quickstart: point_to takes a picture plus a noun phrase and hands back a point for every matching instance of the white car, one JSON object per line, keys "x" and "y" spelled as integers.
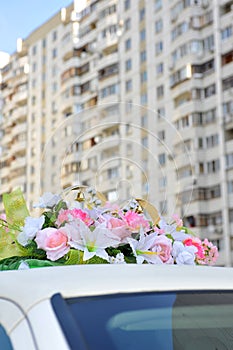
{"x": 119, "y": 307}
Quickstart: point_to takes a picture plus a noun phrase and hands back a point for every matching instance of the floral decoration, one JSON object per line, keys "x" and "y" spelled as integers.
{"x": 94, "y": 231}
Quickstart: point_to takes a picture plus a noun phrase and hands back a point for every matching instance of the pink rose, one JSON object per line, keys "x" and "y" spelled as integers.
{"x": 66, "y": 215}
{"x": 53, "y": 241}
{"x": 163, "y": 246}
{"x": 135, "y": 221}
{"x": 118, "y": 227}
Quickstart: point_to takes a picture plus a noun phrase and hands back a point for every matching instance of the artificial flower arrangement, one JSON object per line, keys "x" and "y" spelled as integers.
{"x": 95, "y": 232}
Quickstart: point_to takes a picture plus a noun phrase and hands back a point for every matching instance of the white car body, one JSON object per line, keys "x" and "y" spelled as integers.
{"x": 25, "y": 294}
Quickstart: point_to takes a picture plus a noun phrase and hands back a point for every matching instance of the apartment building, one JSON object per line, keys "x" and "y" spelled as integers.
{"x": 134, "y": 97}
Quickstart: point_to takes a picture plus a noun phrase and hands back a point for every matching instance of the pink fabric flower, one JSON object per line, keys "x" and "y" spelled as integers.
{"x": 159, "y": 231}
{"x": 135, "y": 221}
{"x": 163, "y": 246}
{"x": 196, "y": 242}
{"x": 118, "y": 227}
{"x": 178, "y": 220}
{"x": 66, "y": 215}
{"x": 210, "y": 253}
{"x": 53, "y": 241}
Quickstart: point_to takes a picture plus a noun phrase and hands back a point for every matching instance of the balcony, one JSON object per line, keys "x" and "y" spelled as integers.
{"x": 18, "y": 163}
{"x": 20, "y": 98}
{"x": 18, "y": 146}
{"x": 108, "y": 43}
{"x": 19, "y": 129}
{"x": 19, "y": 113}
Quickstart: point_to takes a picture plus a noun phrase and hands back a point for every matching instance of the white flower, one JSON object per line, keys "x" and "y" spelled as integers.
{"x": 119, "y": 259}
{"x": 30, "y": 229}
{"x": 141, "y": 248}
{"x": 183, "y": 255}
{"x": 90, "y": 242}
{"x": 169, "y": 229}
{"x": 180, "y": 235}
{"x": 48, "y": 200}
{"x": 23, "y": 266}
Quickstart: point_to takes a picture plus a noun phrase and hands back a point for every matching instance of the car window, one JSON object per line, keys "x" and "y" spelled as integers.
{"x": 5, "y": 342}
{"x": 164, "y": 321}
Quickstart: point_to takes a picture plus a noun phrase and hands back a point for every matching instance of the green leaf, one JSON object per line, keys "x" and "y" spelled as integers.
{"x": 96, "y": 260}
{"x": 74, "y": 257}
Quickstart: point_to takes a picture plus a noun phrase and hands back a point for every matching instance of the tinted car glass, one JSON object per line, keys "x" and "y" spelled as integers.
{"x": 5, "y": 342}
{"x": 164, "y": 321}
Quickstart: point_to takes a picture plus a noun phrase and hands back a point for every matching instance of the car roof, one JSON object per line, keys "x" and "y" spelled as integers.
{"x": 28, "y": 287}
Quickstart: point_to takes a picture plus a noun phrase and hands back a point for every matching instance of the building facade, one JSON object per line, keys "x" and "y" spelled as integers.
{"x": 134, "y": 98}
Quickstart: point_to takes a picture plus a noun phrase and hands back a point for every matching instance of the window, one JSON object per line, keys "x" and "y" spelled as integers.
{"x": 162, "y": 159}
{"x": 109, "y": 90}
{"x": 158, "y": 5}
{"x": 159, "y": 68}
{"x": 34, "y": 67}
{"x": 229, "y": 160}
{"x": 34, "y": 50}
{"x": 227, "y": 83}
{"x": 213, "y": 166}
{"x": 161, "y": 112}
{"x": 143, "y": 77}
{"x": 212, "y": 141}
{"x": 179, "y": 30}
{"x": 128, "y": 44}
{"x": 54, "y": 107}
{"x": 158, "y": 47}
{"x": 54, "y": 53}
{"x": 161, "y": 135}
{"x": 5, "y": 339}
{"x": 127, "y": 24}
{"x": 127, "y": 4}
{"x": 144, "y": 141}
{"x": 128, "y": 65}
{"x": 230, "y": 187}
{"x": 158, "y": 26}
{"x": 142, "y": 13}
{"x": 142, "y": 35}
{"x": 143, "y": 99}
{"x": 112, "y": 173}
{"x": 226, "y": 32}
{"x": 44, "y": 43}
{"x": 128, "y": 85}
{"x": 160, "y": 91}
{"x": 162, "y": 182}
{"x": 144, "y": 120}
{"x": 54, "y": 36}
{"x": 210, "y": 90}
{"x": 142, "y": 56}
{"x": 227, "y": 108}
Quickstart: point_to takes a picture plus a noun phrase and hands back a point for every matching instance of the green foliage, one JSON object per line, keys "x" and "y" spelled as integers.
{"x": 51, "y": 216}
{"x": 74, "y": 257}
{"x": 13, "y": 263}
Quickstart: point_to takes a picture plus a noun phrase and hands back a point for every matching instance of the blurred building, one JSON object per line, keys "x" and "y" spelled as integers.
{"x": 132, "y": 97}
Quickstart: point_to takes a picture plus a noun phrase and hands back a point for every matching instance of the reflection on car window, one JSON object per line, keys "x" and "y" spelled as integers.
{"x": 164, "y": 321}
{"x": 5, "y": 342}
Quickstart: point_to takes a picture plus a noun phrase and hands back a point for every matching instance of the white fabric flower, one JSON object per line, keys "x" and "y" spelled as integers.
{"x": 119, "y": 259}
{"x": 30, "y": 229}
{"x": 183, "y": 255}
{"x": 90, "y": 242}
{"x": 48, "y": 200}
